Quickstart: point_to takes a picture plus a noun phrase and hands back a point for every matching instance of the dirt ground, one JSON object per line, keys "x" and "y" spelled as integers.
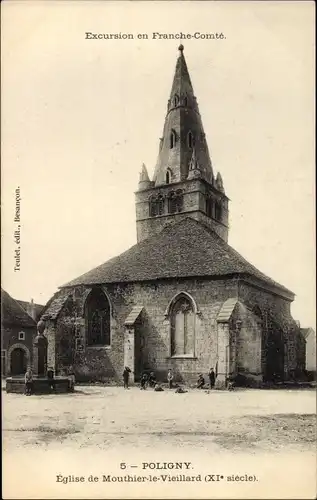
{"x": 99, "y": 423}
{"x": 104, "y": 417}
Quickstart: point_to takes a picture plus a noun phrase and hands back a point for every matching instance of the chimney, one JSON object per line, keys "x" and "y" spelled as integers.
{"x": 31, "y": 309}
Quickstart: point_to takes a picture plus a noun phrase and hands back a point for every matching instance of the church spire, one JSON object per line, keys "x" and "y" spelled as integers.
{"x": 182, "y": 131}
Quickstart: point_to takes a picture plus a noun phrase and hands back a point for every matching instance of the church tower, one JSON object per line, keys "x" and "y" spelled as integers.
{"x": 184, "y": 184}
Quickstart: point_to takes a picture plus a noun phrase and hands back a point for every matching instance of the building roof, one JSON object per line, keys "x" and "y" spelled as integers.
{"x": 55, "y": 305}
{"x": 181, "y": 250}
{"x": 27, "y": 305}
{"x": 12, "y": 313}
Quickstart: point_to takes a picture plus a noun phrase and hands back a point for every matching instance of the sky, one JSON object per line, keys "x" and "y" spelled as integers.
{"x": 80, "y": 116}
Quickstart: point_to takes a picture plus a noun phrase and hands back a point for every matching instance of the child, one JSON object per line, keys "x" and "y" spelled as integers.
{"x": 28, "y": 379}
{"x": 158, "y": 388}
{"x": 152, "y": 379}
{"x": 200, "y": 381}
{"x": 170, "y": 378}
{"x": 143, "y": 381}
{"x": 71, "y": 379}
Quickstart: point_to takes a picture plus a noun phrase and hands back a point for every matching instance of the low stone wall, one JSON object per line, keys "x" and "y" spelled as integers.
{"x": 40, "y": 385}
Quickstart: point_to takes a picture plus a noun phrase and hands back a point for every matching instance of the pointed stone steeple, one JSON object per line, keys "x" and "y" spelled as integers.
{"x": 183, "y": 184}
{"x": 183, "y": 130}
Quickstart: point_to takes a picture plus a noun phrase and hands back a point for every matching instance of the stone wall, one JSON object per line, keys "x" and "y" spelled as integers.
{"x": 153, "y": 335}
{"x": 106, "y": 363}
{"x": 276, "y": 321}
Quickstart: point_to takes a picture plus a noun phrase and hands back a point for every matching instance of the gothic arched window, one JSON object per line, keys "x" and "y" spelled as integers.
{"x": 209, "y": 207}
{"x": 172, "y": 139}
{"x": 218, "y": 211}
{"x": 160, "y": 205}
{"x": 190, "y": 139}
{"x": 175, "y": 201}
{"x": 185, "y": 101}
{"x": 153, "y": 206}
{"x": 156, "y": 205}
{"x": 97, "y": 313}
{"x": 168, "y": 177}
{"x": 182, "y": 327}
{"x": 176, "y": 100}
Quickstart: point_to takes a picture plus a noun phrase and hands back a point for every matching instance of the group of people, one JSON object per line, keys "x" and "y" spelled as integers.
{"x": 29, "y": 381}
{"x": 201, "y": 383}
{"x": 149, "y": 380}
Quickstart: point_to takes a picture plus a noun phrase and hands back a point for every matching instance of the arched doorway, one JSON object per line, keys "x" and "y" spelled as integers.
{"x": 18, "y": 362}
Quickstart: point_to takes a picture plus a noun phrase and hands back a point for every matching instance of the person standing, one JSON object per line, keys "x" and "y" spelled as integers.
{"x": 28, "y": 379}
{"x": 170, "y": 378}
{"x": 126, "y": 375}
{"x": 212, "y": 378}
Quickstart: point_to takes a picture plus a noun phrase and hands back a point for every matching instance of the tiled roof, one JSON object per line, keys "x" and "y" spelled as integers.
{"x": 133, "y": 316}
{"x": 13, "y": 314}
{"x": 180, "y": 250}
{"x": 27, "y": 305}
{"x": 55, "y": 305}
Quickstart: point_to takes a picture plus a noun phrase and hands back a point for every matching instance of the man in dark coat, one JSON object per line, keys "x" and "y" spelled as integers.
{"x": 212, "y": 378}
{"x": 126, "y": 374}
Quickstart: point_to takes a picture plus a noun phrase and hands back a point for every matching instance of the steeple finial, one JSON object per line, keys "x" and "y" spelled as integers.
{"x": 181, "y": 48}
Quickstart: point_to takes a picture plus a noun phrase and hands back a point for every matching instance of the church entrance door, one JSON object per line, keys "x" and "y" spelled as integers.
{"x": 18, "y": 361}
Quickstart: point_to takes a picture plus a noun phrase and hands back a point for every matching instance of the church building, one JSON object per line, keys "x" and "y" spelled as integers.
{"x": 181, "y": 297}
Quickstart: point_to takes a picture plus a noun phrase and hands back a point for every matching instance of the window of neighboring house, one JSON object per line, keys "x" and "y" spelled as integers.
{"x": 21, "y": 336}
{"x": 182, "y": 327}
{"x": 97, "y": 313}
